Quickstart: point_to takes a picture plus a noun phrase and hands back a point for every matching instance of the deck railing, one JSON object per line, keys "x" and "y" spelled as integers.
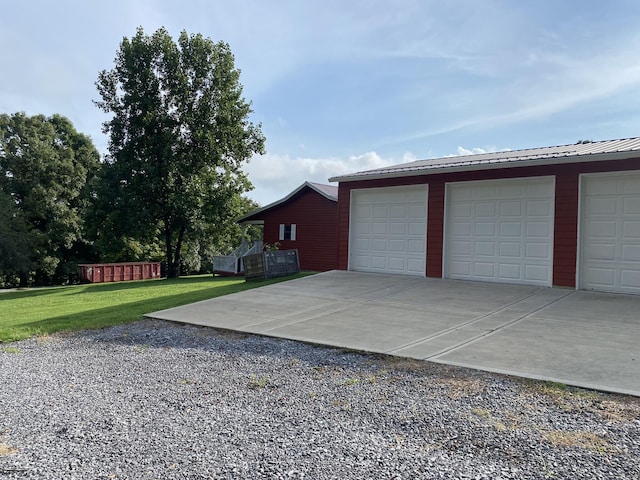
{"x": 233, "y": 263}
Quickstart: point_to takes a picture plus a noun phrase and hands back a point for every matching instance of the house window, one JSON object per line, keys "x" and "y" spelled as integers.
{"x": 287, "y": 231}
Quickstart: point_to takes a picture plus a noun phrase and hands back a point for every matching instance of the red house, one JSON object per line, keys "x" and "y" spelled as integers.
{"x": 306, "y": 220}
{"x": 554, "y": 216}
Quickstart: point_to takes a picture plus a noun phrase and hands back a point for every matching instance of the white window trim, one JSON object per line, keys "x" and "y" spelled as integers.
{"x": 293, "y": 232}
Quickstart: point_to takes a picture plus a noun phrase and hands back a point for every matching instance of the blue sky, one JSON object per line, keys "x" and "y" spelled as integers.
{"x": 342, "y": 86}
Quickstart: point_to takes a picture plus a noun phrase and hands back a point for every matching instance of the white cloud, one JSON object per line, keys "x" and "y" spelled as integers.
{"x": 274, "y": 176}
{"x": 473, "y": 151}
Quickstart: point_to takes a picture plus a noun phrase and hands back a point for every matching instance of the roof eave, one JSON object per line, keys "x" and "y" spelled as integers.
{"x": 245, "y": 218}
{"x": 489, "y": 166}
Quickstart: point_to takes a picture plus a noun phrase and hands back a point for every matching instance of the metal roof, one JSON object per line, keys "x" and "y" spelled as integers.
{"x": 328, "y": 191}
{"x": 578, "y": 152}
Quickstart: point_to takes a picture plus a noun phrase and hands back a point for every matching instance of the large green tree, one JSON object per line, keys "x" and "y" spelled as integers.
{"x": 45, "y": 169}
{"x": 16, "y": 250}
{"x": 179, "y": 136}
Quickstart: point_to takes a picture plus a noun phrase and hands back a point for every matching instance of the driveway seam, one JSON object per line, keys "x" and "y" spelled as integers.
{"x": 497, "y": 329}
{"x": 465, "y": 324}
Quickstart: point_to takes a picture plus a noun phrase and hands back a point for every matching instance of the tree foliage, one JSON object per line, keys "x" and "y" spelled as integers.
{"x": 16, "y": 251}
{"x": 179, "y": 136}
{"x": 45, "y": 169}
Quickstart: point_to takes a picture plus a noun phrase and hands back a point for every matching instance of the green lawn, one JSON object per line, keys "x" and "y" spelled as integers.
{"x": 47, "y": 310}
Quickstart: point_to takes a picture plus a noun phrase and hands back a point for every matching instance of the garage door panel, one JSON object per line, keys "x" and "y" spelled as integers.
{"x": 378, "y": 262}
{"x": 511, "y": 209}
{"x": 537, "y": 250}
{"x": 361, "y": 244}
{"x": 379, "y": 228}
{"x": 415, "y": 267}
{"x": 484, "y": 270}
{"x": 538, "y": 229}
{"x": 511, "y": 229}
{"x": 397, "y": 246}
{"x": 601, "y": 206}
{"x": 461, "y": 229}
{"x": 380, "y": 212}
{"x": 506, "y": 237}
{"x": 487, "y": 249}
{"x": 540, "y": 188}
{"x": 541, "y": 208}
{"x": 510, "y": 249}
{"x": 362, "y": 228}
{"x": 417, "y": 229}
{"x": 484, "y": 210}
{"x": 536, "y": 273}
{"x": 610, "y": 233}
{"x": 379, "y": 245}
{"x": 416, "y": 246}
{"x": 482, "y": 229}
{"x": 598, "y": 229}
{"x": 484, "y": 192}
{"x": 396, "y": 236}
{"x": 630, "y": 279}
{"x": 460, "y": 268}
{"x": 461, "y": 248}
{"x": 510, "y": 272}
{"x": 396, "y": 264}
{"x": 631, "y": 253}
{"x": 417, "y": 211}
{"x": 397, "y": 228}
{"x": 399, "y": 211}
{"x": 509, "y": 190}
{"x": 462, "y": 210}
{"x": 631, "y": 206}
{"x": 631, "y": 229}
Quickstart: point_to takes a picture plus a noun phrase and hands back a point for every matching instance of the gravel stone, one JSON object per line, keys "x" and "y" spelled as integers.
{"x": 159, "y": 400}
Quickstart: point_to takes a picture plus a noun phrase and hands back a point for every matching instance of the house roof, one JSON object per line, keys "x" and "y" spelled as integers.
{"x": 330, "y": 192}
{"x": 578, "y": 152}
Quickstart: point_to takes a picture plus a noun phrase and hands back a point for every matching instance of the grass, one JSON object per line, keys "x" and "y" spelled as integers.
{"x": 43, "y": 311}
{"x": 257, "y": 382}
{"x": 6, "y": 449}
{"x": 586, "y": 440}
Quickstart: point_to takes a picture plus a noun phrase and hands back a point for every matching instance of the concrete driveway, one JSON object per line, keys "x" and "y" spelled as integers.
{"x": 578, "y": 338}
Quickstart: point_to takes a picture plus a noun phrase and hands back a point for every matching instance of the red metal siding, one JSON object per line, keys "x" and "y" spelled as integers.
{"x": 316, "y": 229}
{"x": 344, "y": 203}
{"x": 435, "y": 229}
{"x": 566, "y": 215}
{"x": 565, "y": 231}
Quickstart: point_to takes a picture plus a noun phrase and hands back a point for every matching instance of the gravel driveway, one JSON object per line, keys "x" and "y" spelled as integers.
{"x": 164, "y": 401}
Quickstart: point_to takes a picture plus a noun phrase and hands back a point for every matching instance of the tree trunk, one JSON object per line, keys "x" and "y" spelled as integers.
{"x": 172, "y": 271}
{"x": 177, "y": 257}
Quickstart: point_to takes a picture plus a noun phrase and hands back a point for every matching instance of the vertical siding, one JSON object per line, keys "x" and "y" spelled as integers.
{"x": 435, "y": 229}
{"x": 565, "y": 235}
{"x": 316, "y": 229}
{"x": 344, "y": 204}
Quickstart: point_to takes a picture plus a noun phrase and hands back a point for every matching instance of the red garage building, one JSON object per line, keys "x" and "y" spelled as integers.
{"x": 305, "y": 220}
{"x": 565, "y": 216}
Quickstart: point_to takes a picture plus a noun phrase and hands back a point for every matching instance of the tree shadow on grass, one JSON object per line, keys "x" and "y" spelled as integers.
{"x": 126, "y": 312}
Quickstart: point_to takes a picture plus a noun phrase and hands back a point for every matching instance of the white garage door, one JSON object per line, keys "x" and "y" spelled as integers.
{"x": 610, "y": 233}
{"x": 388, "y": 230}
{"x": 500, "y": 231}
